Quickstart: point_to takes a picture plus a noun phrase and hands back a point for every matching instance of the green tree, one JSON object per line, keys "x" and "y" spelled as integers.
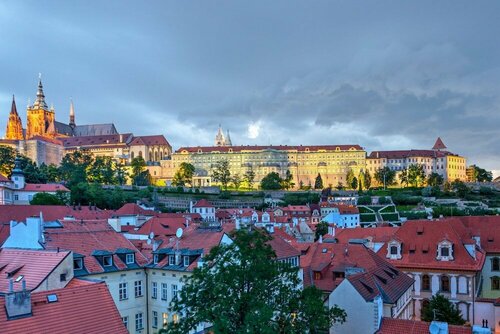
{"x": 50, "y": 172}
{"x": 354, "y": 183}
{"x": 7, "y": 157}
{"x": 367, "y": 180}
{"x": 74, "y": 166}
{"x": 481, "y": 175}
{"x": 441, "y": 309}
{"x": 435, "y": 180}
{"x": 271, "y": 181}
{"x": 403, "y": 177}
{"x": 385, "y": 176}
{"x": 32, "y": 174}
{"x": 460, "y": 188}
{"x": 46, "y": 199}
{"x": 416, "y": 175}
{"x": 340, "y": 186}
{"x": 249, "y": 178}
{"x": 183, "y": 175}
{"x": 287, "y": 182}
{"x": 318, "y": 183}
{"x": 140, "y": 175}
{"x": 242, "y": 288}
{"x": 349, "y": 178}
{"x": 121, "y": 174}
{"x": 321, "y": 230}
{"x": 221, "y": 173}
{"x": 101, "y": 170}
{"x": 236, "y": 180}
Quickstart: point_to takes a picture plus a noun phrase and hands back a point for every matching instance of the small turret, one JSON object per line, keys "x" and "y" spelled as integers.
{"x": 14, "y": 129}
{"x": 439, "y": 145}
{"x": 40, "y": 97}
{"x": 72, "y": 123}
{"x": 18, "y": 175}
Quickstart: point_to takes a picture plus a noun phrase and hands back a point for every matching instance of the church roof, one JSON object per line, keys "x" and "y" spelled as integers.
{"x": 63, "y": 129}
{"x": 149, "y": 140}
{"x": 91, "y": 141}
{"x": 439, "y": 145}
{"x": 95, "y": 130}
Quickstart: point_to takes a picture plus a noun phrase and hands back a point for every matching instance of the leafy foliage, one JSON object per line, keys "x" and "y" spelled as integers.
{"x": 183, "y": 175}
{"x": 7, "y": 157}
{"x": 435, "y": 180}
{"x": 48, "y": 199}
{"x": 441, "y": 309}
{"x": 249, "y": 178}
{"x": 416, "y": 175}
{"x": 318, "y": 183}
{"x": 481, "y": 175}
{"x": 367, "y": 181}
{"x": 221, "y": 173}
{"x": 271, "y": 181}
{"x": 242, "y": 288}
{"x": 387, "y": 174}
{"x": 321, "y": 230}
{"x": 287, "y": 182}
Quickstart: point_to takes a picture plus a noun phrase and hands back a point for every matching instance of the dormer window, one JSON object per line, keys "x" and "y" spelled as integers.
{"x": 130, "y": 258}
{"x": 78, "y": 264}
{"x": 171, "y": 260}
{"x": 155, "y": 259}
{"x": 394, "y": 250}
{"x": 186, "y": 261}
{"x": 107, "y": 261}
{"x": 445, "y": 251}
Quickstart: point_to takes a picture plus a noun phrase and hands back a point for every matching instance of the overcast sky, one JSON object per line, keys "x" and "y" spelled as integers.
{"x": 382, "y": 74}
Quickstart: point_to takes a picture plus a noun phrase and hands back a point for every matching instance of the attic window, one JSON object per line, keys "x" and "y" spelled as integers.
{"x": 186, "y": 261}
{"x": 324, "y": 250}
{"x": 52, "y": 298}
{"x": 445, "y": 251}
{"x": 130, "y": 259}
{"x": 317, "y": 275}
{"x": 171, "y": 260}
{"x": 19, "y": 278}
{"x": 425, "y": 249}
{"x": 78, "y": 264}
{"x": 394, "y": 250}
{"x": 383, "y": 280}
{"x": 107, "y": 261}
{"x": 367, "y": 287}
{"x": 155, "y": 259}
{"x": 420, "y": 230}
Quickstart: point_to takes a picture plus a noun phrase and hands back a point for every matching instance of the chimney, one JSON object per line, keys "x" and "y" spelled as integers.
{"x": 320, "y": 239}
{"x": 18, "y": 303}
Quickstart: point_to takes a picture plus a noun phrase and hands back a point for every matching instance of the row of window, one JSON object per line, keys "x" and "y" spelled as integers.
{"x": 164, "y": 290}
{"x": 123, "y": 290}
{"x": 444, "y": 284}
{"x": 164, "y": 316}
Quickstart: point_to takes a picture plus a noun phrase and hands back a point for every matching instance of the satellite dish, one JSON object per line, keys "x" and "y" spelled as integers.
{"x": 148, "y": 241}
{"x": 151, "y": 235}
{"x": 178, "y": 233}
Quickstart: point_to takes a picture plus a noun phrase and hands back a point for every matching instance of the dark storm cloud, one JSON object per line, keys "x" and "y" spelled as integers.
{"x": 384, "y": 74}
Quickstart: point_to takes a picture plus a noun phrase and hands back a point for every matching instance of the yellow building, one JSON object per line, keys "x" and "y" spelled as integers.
{"x": 304, "y": 162}
{"x": 437, "y": 160}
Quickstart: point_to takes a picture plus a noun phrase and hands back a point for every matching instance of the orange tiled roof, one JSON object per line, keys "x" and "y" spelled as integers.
{"x": 398, "y": 326}
{"x": 203, "y": 203}
{"x": 48, "y": 187}
{"x": 34, "y": 265}
{"x": 87, "y": 307}
{"x": 149, "y": 140}
{"x": 132, "y": 209}
{"x": 402, "y": 154}
{"x": 4, "y": 178}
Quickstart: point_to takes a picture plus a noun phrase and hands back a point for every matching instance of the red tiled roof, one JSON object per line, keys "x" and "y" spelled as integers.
{"x": 376, "y": 234}
{"x": 439, "y": 145}
{"x": 402, "y": 154}
{"x": 48, "y": 187}
{"x": 87, "y": 308}
{"x": 91, "y": 141}
{"x": 312, "y": 148}
{"x": 84, "y": 238}
{"x": 423, "y": 237}
{"x": 485, "y": 227}
{"x": 34, "y": 265}
{"x": 149, "y": 140}
{"x": 132, "y": 209}
{"x": 203, "y": 203}
{"x": 165, "y": 226}
{"x": 282, "y": 248}
{"x": 398, "y": 326}
{"x": 329, "y": 258}
{"x": 4, "y": 179}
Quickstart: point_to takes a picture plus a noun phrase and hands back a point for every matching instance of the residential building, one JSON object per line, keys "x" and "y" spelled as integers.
{"x": 17, "y": 191}
{"x": 205, "y": 209}
{"x": 359, "y": 281}
{"x": 437, "y": 160}
{"x": 340, "y": 215}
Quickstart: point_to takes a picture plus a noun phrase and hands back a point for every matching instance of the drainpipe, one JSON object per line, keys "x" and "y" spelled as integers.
{"x": 147, "y": 300}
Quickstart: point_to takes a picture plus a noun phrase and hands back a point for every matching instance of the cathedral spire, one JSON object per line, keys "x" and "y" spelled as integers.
{"x": 220, "y": 140}
{"x": 14, "y": 129}
{"x": 72, "y": 123}
{"x": 40, "y": 97}
{"x": 228, "y": 139}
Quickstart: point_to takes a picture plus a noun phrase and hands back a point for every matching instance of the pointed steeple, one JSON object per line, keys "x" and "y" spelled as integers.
{"x": 439, "y": 145}
{"x": 14, "y": 129}
{"x": 219, "y": 138}
{"x": 72, "y": 123}
{"x": 228, "y": 139}
{"x": 40, "y": 97}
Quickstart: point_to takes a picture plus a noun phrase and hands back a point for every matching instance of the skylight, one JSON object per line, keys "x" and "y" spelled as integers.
{"x": 52, "y": 298}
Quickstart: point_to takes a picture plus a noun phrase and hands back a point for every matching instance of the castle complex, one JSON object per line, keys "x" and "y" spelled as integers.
{"x": 46, "y": 140}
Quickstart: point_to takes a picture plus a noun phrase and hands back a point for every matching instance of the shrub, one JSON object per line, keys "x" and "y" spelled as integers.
{"x": 364, "y": 200}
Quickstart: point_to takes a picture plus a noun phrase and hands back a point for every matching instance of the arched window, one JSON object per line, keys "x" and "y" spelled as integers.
{"x": 156, "y": 156}
{"x": 426, "y": 283}
{"x": 132, "y": 155}
{"x": 495, "y": 264}
{"x": 425, "y": 304}
{"x": 445, "y": 283}
{"x": 140, "y": 154}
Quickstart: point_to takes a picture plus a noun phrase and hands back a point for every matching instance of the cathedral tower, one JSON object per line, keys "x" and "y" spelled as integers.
{"x": 40, "y": 117}
{"x": 220, "y": 140}
{"x": 14, "y": 126}
{"x": 72, "y": 123}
